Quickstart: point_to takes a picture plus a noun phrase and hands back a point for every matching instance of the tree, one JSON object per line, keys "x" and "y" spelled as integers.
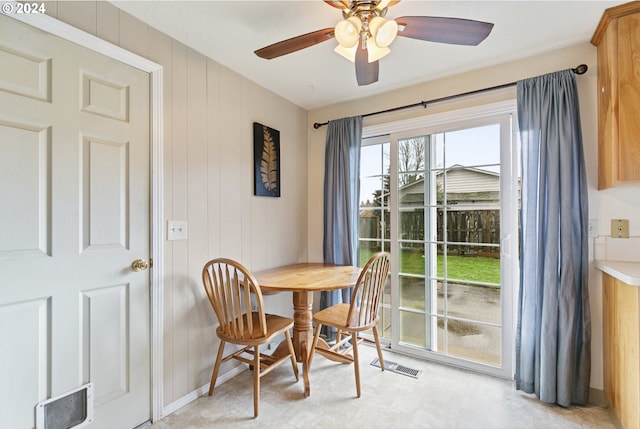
{"x": 411, "y": 159}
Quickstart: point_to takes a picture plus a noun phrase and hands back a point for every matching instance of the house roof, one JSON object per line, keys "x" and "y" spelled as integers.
{"x": 469, "y": 179}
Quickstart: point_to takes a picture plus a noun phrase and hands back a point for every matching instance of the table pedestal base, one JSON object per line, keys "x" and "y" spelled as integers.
{"x": 303, "y": 280}
{"x": 302, "y": 334}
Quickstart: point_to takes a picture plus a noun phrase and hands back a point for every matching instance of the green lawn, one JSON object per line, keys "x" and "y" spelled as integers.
{"x": 472, "y": 268}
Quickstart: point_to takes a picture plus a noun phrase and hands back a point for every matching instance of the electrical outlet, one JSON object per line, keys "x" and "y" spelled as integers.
{"x": 593, "y": 228}
{"x": 619, "y": 228}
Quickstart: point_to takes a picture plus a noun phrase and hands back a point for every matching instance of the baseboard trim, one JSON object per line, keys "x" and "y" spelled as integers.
{"x": 203, "y": 390}
{"x": 598, "y": 397}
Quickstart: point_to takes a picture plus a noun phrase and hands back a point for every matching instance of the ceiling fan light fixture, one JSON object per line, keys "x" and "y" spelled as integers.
{"x": 383, "y": 31}
{"x": 348, "y": 53}
{"x": 364, "y": 34}
{"x": 347, "y": 32}
{"x": 376, "y": 52}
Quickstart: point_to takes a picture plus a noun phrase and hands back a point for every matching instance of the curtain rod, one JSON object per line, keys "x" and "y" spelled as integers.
{"x": 581, "y": 69}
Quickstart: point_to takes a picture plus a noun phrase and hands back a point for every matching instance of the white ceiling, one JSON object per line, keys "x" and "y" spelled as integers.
{"x": 229, "y": 32}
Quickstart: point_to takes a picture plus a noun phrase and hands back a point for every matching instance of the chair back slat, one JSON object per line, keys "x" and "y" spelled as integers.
{"x": 230, "y": 288}
{"x": 247, "y": 304}
{"x": 366, "y": 295}
{"x": 235, "y": 304}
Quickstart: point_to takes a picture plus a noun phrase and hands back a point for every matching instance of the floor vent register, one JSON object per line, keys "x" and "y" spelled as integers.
{"x": 395, "y": 367}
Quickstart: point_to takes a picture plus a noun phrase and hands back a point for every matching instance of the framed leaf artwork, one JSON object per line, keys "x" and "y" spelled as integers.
{"x": 266, "y": 161}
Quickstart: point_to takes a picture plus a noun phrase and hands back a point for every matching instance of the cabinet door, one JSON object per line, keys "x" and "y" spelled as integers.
{"x": 621, "y": 334}
{"x": 629, "y": 94}
{"x": 607, "y": 115}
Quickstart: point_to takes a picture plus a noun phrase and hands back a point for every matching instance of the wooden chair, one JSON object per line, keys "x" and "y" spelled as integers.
{"x": 230, "y": 287}
{"x": 361, "y": 314}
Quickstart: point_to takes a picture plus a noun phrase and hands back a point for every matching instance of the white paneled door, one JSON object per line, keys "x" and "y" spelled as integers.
{"x": 74, "y": 215}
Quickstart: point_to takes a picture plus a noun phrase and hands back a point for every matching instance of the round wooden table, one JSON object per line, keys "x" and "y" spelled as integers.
{"x": 303, "y": 280}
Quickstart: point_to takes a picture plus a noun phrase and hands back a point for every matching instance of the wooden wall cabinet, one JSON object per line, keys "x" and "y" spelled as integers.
{"x": 617, "y": 38}
{"x": 621, "y": 339}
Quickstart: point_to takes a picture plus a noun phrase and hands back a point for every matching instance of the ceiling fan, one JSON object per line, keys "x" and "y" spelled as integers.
{"x": 364, "y": 34}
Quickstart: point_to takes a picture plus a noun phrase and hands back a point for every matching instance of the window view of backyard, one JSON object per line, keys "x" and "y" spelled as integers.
{"x": 433, "y": 202}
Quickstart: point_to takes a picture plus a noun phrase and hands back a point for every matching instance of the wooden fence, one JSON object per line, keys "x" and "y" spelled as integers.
{"x": 465, "y": 226}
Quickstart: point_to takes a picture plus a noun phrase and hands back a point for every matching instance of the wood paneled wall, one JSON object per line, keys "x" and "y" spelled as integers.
{"x": 208, "y": 181}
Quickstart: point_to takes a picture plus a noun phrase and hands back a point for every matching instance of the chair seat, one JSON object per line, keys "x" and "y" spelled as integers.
{"x": 275, "y": 325}
{"x": 336, "y": 316}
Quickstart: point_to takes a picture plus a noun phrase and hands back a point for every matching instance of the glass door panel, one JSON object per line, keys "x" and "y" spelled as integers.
{"x": 448, "y": 243}
{"x": 374, "y": 227}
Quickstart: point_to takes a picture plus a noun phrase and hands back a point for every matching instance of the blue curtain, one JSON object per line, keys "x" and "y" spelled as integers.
{"x": 341, "y": 194}
{"x": 553, "y": 337}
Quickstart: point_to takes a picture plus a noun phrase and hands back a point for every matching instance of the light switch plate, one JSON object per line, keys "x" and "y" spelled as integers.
{"x": 619, "y": 228}
{"x": 177, "y": 230}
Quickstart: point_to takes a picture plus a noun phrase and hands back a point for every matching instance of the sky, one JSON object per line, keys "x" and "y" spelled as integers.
{"x": 471, "y": 147}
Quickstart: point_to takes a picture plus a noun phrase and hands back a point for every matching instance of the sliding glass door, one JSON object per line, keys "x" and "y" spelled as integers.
{"x": 443, "y": 201}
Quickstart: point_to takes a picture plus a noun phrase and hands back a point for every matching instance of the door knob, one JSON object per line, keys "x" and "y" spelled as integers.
{"x": 139, "y": 265}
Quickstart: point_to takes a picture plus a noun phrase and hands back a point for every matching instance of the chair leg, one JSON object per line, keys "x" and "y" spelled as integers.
{"x": 356, "y": 366}
{"x": 312, "y": 352}
{"x": 256, "y": 380}
{"x": 380, "y": 359}
{"x": 342, "y": 341}
{"x": 216, "y": 368}
{"x": 293, "y": 354}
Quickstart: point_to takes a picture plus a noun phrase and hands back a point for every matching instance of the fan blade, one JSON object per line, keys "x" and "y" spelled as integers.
{"x": 338, "y": 4}
{"x": 366, "y": 72}
{"x": 454, "y": 31}
{"x": 295, "y": 44}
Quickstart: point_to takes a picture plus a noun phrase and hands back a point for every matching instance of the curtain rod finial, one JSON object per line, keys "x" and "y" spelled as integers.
{"x": 581, "y": 69}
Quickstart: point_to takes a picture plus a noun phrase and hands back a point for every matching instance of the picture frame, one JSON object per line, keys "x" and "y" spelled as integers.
{"x": 266, "y": 160}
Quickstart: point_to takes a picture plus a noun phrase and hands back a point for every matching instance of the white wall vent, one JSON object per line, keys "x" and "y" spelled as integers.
{"x": 72, "y": 409}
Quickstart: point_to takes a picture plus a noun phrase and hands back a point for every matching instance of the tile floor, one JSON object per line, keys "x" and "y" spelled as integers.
{"x": 441, "y": 398}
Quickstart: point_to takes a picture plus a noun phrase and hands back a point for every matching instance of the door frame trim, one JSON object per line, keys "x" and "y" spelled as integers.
{"x": 80, "y": 37}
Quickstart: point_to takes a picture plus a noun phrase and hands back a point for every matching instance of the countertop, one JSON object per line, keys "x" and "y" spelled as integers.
{"x": 627, "y": 272}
